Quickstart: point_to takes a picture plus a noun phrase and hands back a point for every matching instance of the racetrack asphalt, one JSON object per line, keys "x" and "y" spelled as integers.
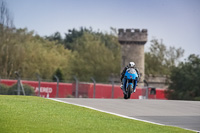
{"x": 183, "y": 114}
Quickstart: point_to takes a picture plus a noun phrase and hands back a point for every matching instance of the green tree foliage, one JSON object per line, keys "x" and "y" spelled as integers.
{"x": 55, "y": 37}
{"x": 22, "y": 51}
{"x": 93, "y": 59}
{"x": 160, "y": 59}
{"x": 185, "y": 79}
{"x": 59, "y": 74}
{"x": 72, "y": 35}
{"x": 29, "y": 54}
{"x": 87, "y": 45}
{"x": 45, "y": 57}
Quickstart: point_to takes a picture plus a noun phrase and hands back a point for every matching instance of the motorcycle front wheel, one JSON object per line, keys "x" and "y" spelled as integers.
{"x": 128, "y": 92}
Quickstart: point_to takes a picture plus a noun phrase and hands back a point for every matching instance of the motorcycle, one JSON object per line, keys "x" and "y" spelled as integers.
{"x": 130, "y": 82}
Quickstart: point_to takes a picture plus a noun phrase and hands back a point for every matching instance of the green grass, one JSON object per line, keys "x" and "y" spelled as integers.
{"x": 38, "y": 115}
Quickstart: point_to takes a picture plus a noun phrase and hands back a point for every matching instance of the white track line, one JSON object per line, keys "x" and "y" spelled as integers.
{"x": 115, "y": 113}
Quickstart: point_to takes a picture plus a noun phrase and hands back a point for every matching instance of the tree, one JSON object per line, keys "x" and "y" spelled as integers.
{"x": 88, "y": 44}
{"x": 55, "y": 37}
{"x": 6, "y": 27}
{"x": 185, "y": 79}
{"x": 160, "y": 59}
{"x": 93, "y": 59}
{"x": 46, "y": 56}
{"x": 30, "y": 54}
{"x": 59, "y": 74}
{"x": 72, "y": 35}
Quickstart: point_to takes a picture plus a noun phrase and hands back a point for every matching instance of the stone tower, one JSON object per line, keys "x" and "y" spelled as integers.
{"x": 132, "y": 48}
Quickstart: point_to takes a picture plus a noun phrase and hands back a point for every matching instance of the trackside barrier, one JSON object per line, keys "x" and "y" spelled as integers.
{"x": 85, "y": 90}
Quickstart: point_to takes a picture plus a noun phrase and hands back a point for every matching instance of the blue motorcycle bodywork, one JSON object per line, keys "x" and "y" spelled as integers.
{"x": 130, "y": 78}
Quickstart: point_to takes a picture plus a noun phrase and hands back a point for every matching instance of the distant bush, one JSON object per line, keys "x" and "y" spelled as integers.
{"x": 70, "y": 96}
{"x": 3, "y": 89}
{"x": 197, "y": 98}
{"x": 29, "y": 91}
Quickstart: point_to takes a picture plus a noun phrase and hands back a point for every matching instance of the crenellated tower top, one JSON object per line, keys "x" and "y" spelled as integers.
{"x": 132, "y": 36}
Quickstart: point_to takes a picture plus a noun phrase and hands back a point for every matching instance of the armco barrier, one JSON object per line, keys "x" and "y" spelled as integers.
{"x": 48, "y": 89}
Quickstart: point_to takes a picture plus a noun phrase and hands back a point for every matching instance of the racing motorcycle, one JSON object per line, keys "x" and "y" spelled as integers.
{"x": 130, "y": 78}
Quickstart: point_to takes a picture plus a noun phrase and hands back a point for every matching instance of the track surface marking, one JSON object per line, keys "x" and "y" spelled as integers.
{"x": 184, "y": 114}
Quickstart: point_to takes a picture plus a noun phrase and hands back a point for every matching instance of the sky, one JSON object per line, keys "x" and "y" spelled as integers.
{"x": 176, "y": 22}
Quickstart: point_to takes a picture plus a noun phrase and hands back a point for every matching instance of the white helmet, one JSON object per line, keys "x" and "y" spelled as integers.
{"x": 131, "y": 65}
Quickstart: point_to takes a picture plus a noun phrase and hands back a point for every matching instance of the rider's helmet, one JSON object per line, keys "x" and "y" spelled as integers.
{"x": 131, "y": 65}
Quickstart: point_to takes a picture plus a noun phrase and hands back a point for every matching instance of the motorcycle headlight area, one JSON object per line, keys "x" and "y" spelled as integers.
{"x": 131, "y": 70}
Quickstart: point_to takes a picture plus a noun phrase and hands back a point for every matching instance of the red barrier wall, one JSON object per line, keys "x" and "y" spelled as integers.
{"x": 48, "y": 89}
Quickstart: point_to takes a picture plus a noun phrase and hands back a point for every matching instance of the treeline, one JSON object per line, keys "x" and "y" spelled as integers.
{"x": 82, "y": 53}
{"x": 30, "y": 54}
{"x": 94, "y": 54}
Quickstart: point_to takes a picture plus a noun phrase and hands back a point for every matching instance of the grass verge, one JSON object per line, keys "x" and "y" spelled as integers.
{"x": 28, "y": 114}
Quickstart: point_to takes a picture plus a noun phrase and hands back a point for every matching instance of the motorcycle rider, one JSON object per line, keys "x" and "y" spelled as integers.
{"x": 130, "y": 65}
